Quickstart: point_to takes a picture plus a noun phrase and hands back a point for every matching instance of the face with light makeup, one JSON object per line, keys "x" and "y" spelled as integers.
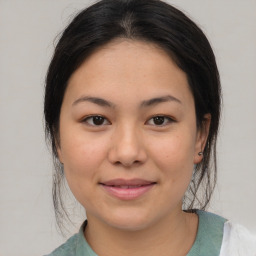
{"x": 128, "y": 135}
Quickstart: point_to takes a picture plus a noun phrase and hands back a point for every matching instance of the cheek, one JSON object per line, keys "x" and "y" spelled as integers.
{"x": 174, "y": 158}
{"x": 82, "y": 157}
{"x": 82, "y": 161}
{"x": 174, "y": 152}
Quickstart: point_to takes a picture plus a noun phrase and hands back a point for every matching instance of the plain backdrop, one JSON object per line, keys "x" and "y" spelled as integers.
{"x": 27, "y": 32}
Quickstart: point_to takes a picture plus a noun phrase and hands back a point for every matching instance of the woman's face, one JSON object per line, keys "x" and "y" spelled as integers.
{"x": 128, "y": 135}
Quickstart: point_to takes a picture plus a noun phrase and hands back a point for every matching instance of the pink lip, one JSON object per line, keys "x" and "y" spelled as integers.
{"x": 127, "y": 189}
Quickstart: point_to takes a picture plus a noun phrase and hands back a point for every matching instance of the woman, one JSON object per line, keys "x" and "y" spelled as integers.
{"x": 132, "y": 107}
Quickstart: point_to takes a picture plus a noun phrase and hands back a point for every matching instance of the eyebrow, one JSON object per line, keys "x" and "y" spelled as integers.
{"x": 95, "y": 100}
{"x": 154, "y": 101}
{"x": 145, "y": 103}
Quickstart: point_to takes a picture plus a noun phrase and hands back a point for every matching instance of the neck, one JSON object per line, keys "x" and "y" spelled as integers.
{"x": 173, "y": 235}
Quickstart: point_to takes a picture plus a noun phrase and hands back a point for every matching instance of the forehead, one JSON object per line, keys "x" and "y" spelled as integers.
{"x": 130, "y": 56}
{"x": 129, "y": 67}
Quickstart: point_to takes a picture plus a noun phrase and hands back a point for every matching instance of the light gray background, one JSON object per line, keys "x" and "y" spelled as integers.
{"x": 27, "y": 31}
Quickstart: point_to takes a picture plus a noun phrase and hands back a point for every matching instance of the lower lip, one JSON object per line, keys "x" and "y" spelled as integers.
{"x": 128, "y": 193}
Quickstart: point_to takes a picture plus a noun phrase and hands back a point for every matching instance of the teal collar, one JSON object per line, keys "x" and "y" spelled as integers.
{"x": 208, "y": 239}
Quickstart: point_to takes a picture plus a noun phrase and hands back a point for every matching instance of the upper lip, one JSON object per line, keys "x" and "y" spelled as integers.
{"x": 127, "y": 182}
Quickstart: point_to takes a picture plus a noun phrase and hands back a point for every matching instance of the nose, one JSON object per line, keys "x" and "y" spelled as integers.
{"x": 127, "y": 147}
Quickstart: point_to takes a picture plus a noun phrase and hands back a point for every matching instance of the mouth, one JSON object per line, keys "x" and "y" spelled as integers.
{"x": 127, "y": 189}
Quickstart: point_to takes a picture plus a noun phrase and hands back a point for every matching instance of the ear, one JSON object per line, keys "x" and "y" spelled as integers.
{"x": 202, "y": 135}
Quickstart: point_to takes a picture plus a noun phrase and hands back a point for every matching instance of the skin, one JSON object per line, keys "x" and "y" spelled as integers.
{"x": 130, "y": 144}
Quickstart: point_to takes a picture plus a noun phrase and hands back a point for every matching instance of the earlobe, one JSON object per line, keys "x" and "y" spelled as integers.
{"x": 202, "y": 136}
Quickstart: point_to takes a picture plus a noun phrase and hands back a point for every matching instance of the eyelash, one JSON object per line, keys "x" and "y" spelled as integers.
{"x": 93, "y": 118}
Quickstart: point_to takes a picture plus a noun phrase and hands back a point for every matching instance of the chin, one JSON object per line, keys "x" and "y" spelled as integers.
{"x": 130, "y": 221}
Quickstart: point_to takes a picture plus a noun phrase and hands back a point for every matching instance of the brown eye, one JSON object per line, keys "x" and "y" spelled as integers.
{"x": 159, "y": 120}
{"x": 96, "y": 120}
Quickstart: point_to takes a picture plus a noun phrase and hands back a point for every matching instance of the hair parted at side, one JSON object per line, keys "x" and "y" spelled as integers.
{"x": 151, "y": 21}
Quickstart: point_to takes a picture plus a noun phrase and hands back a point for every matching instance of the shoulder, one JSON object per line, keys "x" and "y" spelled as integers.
{"x": 209, "y": 234}
{"x": 209, "y": 217}
{"x": 75, "y": 245}
{"x": 234, "y": 239}
{"x": 66, "y": 249}
{"x": 237, "y": 241}
{"x": 211, "y": 225}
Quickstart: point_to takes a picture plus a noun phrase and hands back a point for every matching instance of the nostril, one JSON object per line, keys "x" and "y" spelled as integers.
{"x": 127, "y": 164}
{"x": 117, "y": 163}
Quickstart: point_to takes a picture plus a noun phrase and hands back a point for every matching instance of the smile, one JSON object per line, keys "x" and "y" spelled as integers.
{"x": 127, "y": 189}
